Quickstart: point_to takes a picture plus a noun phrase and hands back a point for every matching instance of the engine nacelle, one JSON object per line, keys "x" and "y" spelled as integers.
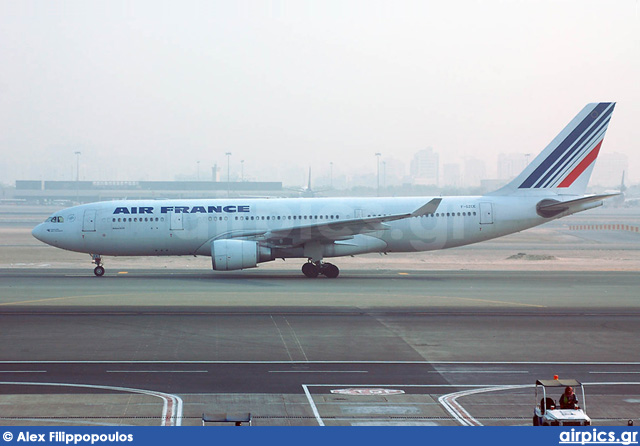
{"x": 228, "y": 255}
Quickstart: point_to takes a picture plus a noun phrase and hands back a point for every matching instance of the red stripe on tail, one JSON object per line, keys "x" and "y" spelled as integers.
{"x": 586, "y": 162}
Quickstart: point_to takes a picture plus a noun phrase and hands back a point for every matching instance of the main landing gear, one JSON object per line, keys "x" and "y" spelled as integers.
{"x": 99, "y": 269}
{"x": 314, "y": 269}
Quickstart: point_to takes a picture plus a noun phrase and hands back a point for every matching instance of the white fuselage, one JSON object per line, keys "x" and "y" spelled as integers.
{"x": 187, "y": 227}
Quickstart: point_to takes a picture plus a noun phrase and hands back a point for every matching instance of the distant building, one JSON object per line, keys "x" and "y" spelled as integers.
{"x": 474, "y": 172}
{"x": 451, "y": 175}
{"x": 609, "y": 168}
{"x": 392, "y": 172}
{"x": 511, "y": 164}
{"x": 425, "y": 167}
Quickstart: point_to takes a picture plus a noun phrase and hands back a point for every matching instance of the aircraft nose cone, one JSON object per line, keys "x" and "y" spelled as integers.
{"x": 39, "y": 232}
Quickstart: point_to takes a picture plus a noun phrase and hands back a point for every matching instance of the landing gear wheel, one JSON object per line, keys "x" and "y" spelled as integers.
{"x": 310, "y": 270}
{"x": 330, "y": 270}
{"x": 98, "y": 271}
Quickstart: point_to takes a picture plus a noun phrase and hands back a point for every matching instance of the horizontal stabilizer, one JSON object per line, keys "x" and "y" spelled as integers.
{"x": 550, "y": 208}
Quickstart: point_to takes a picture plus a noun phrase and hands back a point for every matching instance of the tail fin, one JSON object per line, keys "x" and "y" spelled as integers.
{"x": 565, "y": 165}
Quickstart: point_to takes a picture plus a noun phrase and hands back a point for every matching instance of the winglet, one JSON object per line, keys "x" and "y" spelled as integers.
{"x": 428, "y": 208}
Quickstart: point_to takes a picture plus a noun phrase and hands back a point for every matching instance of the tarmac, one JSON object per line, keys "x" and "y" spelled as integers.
{"x": 446, "y": 338}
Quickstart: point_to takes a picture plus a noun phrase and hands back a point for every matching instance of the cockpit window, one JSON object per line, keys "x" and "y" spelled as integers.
{"x": 55, "y": 219}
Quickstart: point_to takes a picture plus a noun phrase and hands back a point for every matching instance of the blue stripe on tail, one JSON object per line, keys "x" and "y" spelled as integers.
{"x": 536, "y": 176}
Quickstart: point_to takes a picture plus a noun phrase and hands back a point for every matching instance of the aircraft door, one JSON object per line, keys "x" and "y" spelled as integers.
{"x": 176, "y": 221}
{"x": 486, "y": 213}
{"x": 89, "y": 222}
{"x": 357, "y": 213}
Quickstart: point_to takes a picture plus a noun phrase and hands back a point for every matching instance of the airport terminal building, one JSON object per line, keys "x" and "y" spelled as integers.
{"x": 46, "y": 192}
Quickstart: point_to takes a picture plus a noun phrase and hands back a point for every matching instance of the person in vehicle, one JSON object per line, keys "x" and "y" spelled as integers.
{"x": 568, "y": 399}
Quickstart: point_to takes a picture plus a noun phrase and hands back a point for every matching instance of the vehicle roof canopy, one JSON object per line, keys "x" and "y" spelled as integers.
{"x": 558, "y": 383}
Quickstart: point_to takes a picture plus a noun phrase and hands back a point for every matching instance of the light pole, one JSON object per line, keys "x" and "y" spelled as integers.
{"x": 378, "y": 164}
{"x": 78, "y": 165}
{"x": 331, "y": 174}
{"x": 241, "y": 170}
{"x": 78, "y": 176}
{"x": 384, "y": 174}
{"x": 228, "y": 177}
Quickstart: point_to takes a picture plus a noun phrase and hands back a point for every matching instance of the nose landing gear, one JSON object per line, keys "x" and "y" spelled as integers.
{"x": 314, "y": 269}
{"x": 99, "y": 269}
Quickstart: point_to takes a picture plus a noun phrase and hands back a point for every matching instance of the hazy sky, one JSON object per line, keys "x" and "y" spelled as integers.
{"x": 145, "y": 89}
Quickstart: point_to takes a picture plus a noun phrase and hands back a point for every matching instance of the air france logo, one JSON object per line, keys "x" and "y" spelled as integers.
{"x": 182, "y": 209}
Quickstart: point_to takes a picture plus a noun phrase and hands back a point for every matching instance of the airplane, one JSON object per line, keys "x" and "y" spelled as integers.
{"x": 308, "y": 192}
{"x": 242, "y": 233}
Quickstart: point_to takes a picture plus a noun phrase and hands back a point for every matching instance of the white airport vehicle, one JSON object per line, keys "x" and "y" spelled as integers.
{"x": 241, "y": 233}
{"x": 548, "y": 413}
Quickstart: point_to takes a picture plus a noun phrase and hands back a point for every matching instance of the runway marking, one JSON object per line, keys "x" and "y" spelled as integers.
{"x": 318, "y": 371}
{"x": 50, "y": 299}
{"x": 450, "y": 403}
{"x": 123, "y": 272}
{"x": 23, "y": 371}
{"x": 403, "y": 274}
{"x": 480, "y": 371}
{"x": 595, "y": 363}
{"x": 518, "y": 304}
{"x": 172, "y": 404}
{"x": 293, "y": 332}
{"x": 157, "y": 371}
{"x": 282, "y": 338}
{"x": 313, "y": 405}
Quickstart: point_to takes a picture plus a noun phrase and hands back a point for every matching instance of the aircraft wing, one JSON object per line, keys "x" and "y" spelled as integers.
{"x": 330, "y": 231}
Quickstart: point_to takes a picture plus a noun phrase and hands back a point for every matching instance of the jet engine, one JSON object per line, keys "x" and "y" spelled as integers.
{"x": 228, "y": 255}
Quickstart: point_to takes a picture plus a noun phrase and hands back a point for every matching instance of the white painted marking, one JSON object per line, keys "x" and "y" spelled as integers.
{"x": 295, "y": 336}
{"x": 318, "y": 371}
{"x": 388, "y": 423}
{"x": 23, "y": 371}
{"x": 367, "y": 391}
{"x": 169, "y": 416}
{"x": 632, "y": 400}
{"x": 450, "y": 403}
{"x": 313, "y": 405}
{"x": 157, "y": 371}
{"x": 282, "y": 339}
{"x": 379, "y": 410}
{"x": 481, "y": 371}
{"x": 324, "y": 362}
